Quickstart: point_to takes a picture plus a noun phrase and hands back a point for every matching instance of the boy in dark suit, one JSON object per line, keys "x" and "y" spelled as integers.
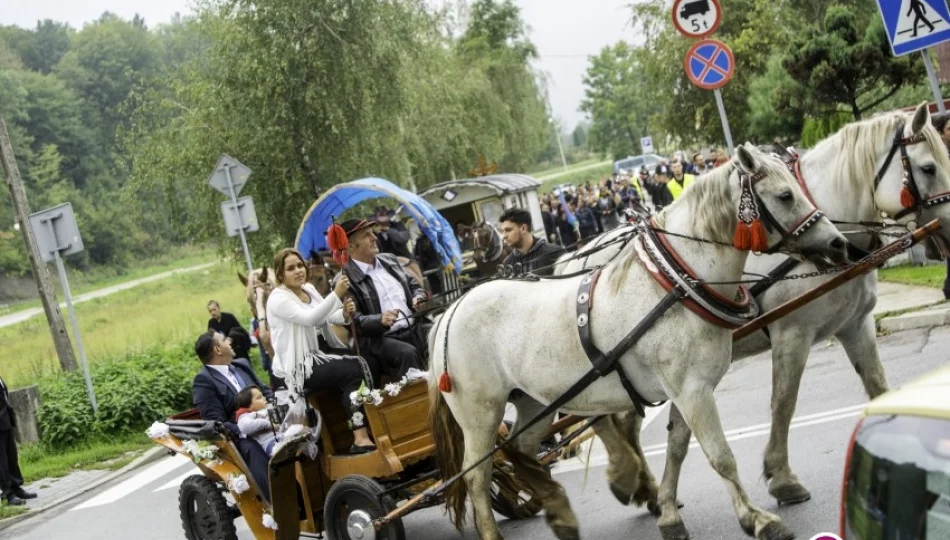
{"x": 215, "y": 391}
{"x": 11, "y": 480}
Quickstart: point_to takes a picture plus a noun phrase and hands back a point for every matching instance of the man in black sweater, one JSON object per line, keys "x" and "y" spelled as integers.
{"x": 220, "y": 321}
{"x": 532, "y": 254}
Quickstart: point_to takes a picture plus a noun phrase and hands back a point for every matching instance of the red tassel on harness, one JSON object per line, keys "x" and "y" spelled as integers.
{"x": 907, "y": 198}
{"x": 743, "y": 237}
{"x": 445, "y": 383}
{"x": 338, "y": 243}
{"x": 760, "y": 239}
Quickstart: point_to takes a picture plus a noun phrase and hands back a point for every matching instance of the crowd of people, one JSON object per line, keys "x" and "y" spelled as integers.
{"x": 590, "y": 210}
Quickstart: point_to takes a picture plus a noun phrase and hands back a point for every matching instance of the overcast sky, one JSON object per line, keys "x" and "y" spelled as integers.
{"x": 565, "y": 32}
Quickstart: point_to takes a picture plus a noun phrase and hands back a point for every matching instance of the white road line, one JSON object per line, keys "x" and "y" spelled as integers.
{"x": 138, "y": 481}
{"x": 175, "y": 482}
{"x": 731, "y": 435}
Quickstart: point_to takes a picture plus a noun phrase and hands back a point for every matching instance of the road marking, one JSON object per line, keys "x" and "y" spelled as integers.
{"x": 600, "y": 459}
{"x": 176, "y": 482}
{"x": 138, "y": 481}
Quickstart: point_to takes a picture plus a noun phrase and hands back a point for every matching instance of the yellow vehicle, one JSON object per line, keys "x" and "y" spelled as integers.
{"x": 897, "y": 474}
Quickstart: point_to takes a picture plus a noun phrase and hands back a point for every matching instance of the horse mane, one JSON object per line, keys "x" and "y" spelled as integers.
{"x": 867, "y": 139}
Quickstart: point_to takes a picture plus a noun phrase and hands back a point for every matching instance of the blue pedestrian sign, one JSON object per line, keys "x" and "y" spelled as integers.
{"x": 709, "y": 64}
{"x": 914, "y": 25}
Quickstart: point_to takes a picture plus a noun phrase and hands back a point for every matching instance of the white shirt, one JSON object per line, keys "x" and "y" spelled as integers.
{"x": 392, "y": 296}
{"x": 224, "y": 370}
{"x": 294, "y": 327}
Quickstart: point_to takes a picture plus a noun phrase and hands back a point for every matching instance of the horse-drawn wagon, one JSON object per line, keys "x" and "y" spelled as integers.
{"x": 335, "y": 492}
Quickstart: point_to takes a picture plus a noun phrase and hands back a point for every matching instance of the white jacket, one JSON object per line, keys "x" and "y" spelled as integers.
{"x": 294, "y": 327}
{"x": 257, "y": 426}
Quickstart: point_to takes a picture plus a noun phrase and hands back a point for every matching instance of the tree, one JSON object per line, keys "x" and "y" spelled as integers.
{"x": 579, "y": 136}
{"x": 48, "y": 44}
{"x": 769, "y": 117}
{"x": 838, "y": 64}
{"x": 618, "y": 100}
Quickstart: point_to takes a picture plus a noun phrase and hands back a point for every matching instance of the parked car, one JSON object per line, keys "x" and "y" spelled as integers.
{"x": 897, "y": 472}
{"x": 566, "y": 188}
{"x": 633, "y": 163}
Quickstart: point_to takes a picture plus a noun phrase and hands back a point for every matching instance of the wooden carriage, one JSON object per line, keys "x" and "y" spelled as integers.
{"x": 335, "y": 491}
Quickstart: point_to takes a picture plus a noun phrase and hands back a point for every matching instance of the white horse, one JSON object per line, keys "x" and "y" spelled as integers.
{"x": 513, "y": 334}
{"x": 840, "y": 177}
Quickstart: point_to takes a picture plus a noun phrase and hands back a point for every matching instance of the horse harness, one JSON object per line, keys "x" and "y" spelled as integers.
{"x": 681, "y": 284}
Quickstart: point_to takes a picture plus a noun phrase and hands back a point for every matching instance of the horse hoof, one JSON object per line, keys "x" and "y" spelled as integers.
{"x": 676, "y": 531}
{"x": 654, "y": 509}
{"x": 622, "y": 495}
{"x": 776, "y": 531}
{"x": 787, "y": 494}
{"x": 563, "y": 532}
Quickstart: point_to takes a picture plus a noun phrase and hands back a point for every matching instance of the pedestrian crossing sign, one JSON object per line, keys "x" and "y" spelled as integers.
{"x": 914, "y": 25}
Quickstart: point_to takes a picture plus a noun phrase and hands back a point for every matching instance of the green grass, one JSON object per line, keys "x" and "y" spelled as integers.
{"x": 931, "y": 275}
{"x": 7, "y": 511}
{"x": 36, "y": 462}
{"x": 98, "y": 278}
{"x": 164, "y": 312}
{"x": 557, "y": 167}
{"x": 593, "y": 175}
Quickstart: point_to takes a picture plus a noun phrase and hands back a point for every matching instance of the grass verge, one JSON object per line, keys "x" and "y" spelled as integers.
{"x": 37, "y": 462}
{"x": 931, "y": 275}
{"x": 592, "y": 175}
{"x": 164, "y": 312}
{"x": 7, "y": 511}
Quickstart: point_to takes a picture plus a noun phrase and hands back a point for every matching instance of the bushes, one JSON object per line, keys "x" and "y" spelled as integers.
{"x": 131, "y": 392}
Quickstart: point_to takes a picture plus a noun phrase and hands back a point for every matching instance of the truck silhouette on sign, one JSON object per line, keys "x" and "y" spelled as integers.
{"x": 696, "y": 7}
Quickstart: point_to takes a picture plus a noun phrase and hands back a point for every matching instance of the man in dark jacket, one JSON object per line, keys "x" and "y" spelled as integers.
{"x": 392, "y": 236}
{"x": 533, "y": 254}
{"x": 386, "y": 296}
{"x": 221, "y": 321}
{"x": 215, "y": 391}
{"x": 11, "y": 480}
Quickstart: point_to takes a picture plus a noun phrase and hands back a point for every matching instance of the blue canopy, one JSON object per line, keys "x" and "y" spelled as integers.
{"x": 312, "y": 233}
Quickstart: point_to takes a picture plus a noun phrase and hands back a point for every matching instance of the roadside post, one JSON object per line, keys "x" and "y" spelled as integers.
{"x": 57, "y": 236}
{"x": 228, "y": 178}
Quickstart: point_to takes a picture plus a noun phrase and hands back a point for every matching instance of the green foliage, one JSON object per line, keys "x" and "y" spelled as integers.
{"x": 131, "y": 392}
{"x": 843, "y": 63}
{"x": 817, "y": 129}
{"x": 309, "y": 96}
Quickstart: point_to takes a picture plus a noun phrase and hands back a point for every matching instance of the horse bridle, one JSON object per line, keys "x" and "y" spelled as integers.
{"x": 485, "y": 251}
{"x": 921, "y": 203}
{"x": 772, "y": 224}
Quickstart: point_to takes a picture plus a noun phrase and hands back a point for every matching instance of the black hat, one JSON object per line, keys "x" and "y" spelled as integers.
{"x": 662, "y": 169}
{"x": 352, "y": 226}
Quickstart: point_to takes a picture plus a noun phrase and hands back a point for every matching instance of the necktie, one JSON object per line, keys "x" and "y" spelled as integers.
{"x": 237, "y": 378}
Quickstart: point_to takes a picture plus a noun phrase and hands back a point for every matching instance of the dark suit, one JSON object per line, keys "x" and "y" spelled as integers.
{"x": 216, "y": 400}
{"x": 10, "y": 476}
{"x": 396, "y": 352}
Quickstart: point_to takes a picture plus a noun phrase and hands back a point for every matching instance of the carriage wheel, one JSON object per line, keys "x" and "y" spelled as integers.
{"x": 353, "y": 502}
{"x": 205, "y": 514}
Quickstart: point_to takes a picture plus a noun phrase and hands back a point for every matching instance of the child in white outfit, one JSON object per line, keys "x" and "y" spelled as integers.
{"x": 253, "y": 420}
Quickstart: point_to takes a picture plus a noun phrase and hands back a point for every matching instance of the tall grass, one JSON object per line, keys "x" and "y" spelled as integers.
{"x": 163, "y": 312}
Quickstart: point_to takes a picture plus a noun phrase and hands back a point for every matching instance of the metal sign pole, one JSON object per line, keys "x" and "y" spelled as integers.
{"x": 247, "y": 252}
{"x": 725, "y": 121}
{"x": 72, "y": 316}
{"x": 932, "y": 75}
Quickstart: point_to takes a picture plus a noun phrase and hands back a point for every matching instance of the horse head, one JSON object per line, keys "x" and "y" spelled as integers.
{"x": 487, "y": 242}
{"x": 320, "y": 272}
{"x": 258, "y": 285}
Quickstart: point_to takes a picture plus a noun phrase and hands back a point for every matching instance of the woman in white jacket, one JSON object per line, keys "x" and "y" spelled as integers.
{"x": 297, "y": 314}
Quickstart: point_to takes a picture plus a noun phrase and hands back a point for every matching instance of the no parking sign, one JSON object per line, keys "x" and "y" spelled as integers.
{"x": 709, "y": 64}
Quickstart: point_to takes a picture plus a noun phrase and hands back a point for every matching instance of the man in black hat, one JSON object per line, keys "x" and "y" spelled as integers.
{"x": 386, "y": 296}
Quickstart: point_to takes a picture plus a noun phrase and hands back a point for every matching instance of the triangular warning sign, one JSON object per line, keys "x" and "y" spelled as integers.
{"x": 917, "y": 19}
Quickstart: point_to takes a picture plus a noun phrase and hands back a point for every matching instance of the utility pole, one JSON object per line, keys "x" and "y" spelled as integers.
{"x": 57, "y": 326}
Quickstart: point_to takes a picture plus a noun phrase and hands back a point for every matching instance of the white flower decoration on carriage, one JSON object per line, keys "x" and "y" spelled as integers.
{"x": 357, "y": 419}
{"x": 393, "y": 389}
{"x": 269, "y": 522}
{"x": 200, "y": 450}
{"x": 238, "y": 483}
{"x": 157, "y": 430}
{"x": 376, "y": 396}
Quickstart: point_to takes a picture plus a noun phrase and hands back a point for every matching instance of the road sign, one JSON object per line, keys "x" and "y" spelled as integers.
{"x": 914, "y": 25}
{"x": 56, "y": 230}
{"x": 646, "y": 143}
{"x": 219, "y": 178}
{"x": 696, "y": 18}
{"x": 709, "y": 64}
{"x": 235, "y": 223}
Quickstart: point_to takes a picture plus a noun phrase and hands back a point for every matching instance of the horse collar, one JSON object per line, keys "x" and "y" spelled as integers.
{"x": 670, "y": 271}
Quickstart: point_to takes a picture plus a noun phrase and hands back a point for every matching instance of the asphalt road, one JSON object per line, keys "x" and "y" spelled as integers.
{"x": 144, "y": 506}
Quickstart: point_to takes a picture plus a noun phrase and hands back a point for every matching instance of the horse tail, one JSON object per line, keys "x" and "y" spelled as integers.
{"x": 449, "y": 453}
